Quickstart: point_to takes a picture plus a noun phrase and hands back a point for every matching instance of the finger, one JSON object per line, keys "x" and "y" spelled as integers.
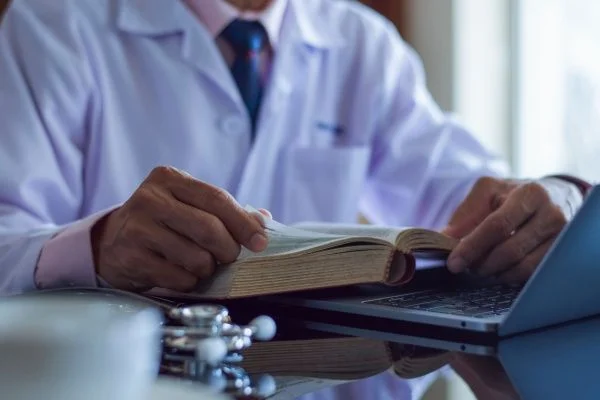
{"x": 496, "y": 228}
{"x": 205, "y": 230}
{"x": 145, "y": 268}
{"x": 467, "y": 216}
{"x": 245, "y": 229}
{"x": 162, "y": 212}
{"x": 166, "y": 275}
{"x": 522, "y": 271}
{"x": 266, "y": 213}
{"x": 180, "y": 251}
{"x": 203, "y": 266}
{"x": 260, "y": 217}
{"x": 483, "y": 199}
{"x": 462, "y": 223}
{"x": 542, "y": 226}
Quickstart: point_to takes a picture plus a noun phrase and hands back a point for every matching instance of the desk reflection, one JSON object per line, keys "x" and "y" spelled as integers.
{"x": 305, "y": 365}
{"x": 558, "y": 362}
{"x": 307, "y": 355}
{"x": 304, "y": 360}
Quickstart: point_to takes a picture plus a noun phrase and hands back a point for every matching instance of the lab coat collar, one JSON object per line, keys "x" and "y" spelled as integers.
{"x": 315, "y": 30}
{"x": 152, "y": 17}
{"x": 159, "y": 17}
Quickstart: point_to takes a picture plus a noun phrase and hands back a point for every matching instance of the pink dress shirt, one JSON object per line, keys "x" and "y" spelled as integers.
{"x": 215, "y": 15}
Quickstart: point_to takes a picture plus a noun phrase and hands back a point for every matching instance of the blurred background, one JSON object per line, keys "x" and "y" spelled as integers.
{"x": 524, "y": 75}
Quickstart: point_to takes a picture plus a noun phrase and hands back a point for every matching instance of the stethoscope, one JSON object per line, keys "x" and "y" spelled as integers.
{"x": 208, "y": 348}
{"x": 200, "y": 343}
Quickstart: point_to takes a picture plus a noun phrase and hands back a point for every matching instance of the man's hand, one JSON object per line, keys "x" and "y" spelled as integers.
{"x": 507, "y": 226}
{"x": 172, "y": 233}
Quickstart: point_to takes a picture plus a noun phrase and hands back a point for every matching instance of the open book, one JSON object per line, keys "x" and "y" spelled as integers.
{"x": 318, "y": 256}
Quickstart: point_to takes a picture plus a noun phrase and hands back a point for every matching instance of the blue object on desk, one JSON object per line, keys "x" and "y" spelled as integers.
{"x": 559, "y": 363}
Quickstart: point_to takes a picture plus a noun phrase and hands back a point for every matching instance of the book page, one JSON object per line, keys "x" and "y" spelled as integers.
{"x": 380, "y": 232}
{"x": 285, "y": 239}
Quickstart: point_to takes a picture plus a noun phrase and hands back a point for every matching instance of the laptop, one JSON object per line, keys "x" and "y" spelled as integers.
{"x": 564, "y": 288}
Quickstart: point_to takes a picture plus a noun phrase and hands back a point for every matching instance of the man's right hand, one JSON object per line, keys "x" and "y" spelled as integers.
{"x": 172, "y": 233}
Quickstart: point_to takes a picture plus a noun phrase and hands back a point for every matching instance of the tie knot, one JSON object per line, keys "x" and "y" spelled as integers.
{"x": 245, "y": 36}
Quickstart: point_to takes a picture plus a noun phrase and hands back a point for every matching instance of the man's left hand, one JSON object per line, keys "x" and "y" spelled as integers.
{"x": 506, "y": 226}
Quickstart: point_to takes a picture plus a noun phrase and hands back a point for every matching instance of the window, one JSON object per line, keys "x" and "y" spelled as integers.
{"x": 557, "y": 96}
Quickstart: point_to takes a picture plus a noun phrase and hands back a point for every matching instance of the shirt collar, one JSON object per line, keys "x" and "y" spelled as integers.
{"x": 217, "y": 14}
{"x": 306, "y": 20}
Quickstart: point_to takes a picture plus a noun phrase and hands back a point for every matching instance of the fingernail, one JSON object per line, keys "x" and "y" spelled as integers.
{"x": 456, "y": 264}
{"x": 260, "y": 218}
{"x": 266, "y": 213}
{"x": 258, "y": 242}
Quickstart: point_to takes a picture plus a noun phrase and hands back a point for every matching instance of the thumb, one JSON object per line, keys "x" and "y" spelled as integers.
{"x": 262, "y": 216}
{"x": 265, "y": 212}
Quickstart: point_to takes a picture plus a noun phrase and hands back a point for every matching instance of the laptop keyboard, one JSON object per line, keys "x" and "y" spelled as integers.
{"x": 482, "y": 302}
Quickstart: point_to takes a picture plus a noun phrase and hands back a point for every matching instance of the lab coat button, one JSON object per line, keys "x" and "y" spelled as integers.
{"x": 233, "y": 125}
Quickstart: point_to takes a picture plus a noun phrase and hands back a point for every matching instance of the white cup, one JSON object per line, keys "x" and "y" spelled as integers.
{"x": 75, "y": 349}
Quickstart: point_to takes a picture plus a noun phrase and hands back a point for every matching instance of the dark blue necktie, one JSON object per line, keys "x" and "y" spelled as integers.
{"x": 248, "y": 39}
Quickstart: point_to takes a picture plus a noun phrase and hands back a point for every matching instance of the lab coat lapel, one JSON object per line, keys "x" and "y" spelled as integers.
{"x": 256, "y": 184}
{"x": 302, "y": 46}
{"x": 159, "y": 18}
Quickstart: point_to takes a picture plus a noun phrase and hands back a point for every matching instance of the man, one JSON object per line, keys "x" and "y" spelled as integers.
{"x": 132, "y": 131}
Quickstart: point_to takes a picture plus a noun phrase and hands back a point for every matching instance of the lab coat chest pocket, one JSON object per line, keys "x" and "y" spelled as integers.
{"x": 323, "y": 183}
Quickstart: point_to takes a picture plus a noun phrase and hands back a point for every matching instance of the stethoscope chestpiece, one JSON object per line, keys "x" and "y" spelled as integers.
{"x": 203, "y": 345}
{"x": 203, "y": 316}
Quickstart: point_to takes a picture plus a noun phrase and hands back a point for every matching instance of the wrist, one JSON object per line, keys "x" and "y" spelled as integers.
{"x": 97, "y": 236}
